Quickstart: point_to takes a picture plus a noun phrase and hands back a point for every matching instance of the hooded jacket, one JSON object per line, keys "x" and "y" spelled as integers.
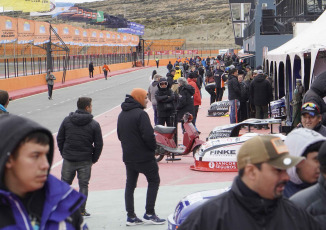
{"x": 233, "y": 88}
{"x": 165, "y": 101}
{"x": 152, "y": 89}
{"x": 261, "y": 92}
{"x": 313, "y": 200}
{"x": 197, "y": 97}
{"x": 80, "y": 137}
{"x": 297, "y": 142}
{"x": 242, "y": 208}
{"x": 60, "y": 202}
{"x": 135, "y": 132}
{"x": 316, "y": 93}
{"x": 185, "y": 100}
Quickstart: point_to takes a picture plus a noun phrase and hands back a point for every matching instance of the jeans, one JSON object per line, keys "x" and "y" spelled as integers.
{"x": 83, "y": 169}
{"x": 150, "y": 170}
{"x": 155, "y": 114}
{"x": 50, "y": 88}
{"x": 235, "y": 105}
{"x": 105, "y": 74}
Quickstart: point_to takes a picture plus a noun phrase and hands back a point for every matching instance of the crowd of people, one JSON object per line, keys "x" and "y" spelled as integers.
{"x": 280, "y": 184}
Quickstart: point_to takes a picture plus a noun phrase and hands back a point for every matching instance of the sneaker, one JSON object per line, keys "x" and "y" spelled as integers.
{"x": 153, "y": 219}
{"x": 85, "y": 213}
{"x": 134, "y": 221}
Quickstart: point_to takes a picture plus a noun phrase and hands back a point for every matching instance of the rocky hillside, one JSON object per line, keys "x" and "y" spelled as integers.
{"x": 202, "y": 23}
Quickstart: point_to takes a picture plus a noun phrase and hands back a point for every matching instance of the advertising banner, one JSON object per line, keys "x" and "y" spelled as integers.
{"x": 94, "y": 38}
{"x": 58, "y": 29}
{"x": 25, "y": 31}
{"x": 66, "y": 33}
{"x": 108, "y": 38}
{"x": 8, "y": 29}
{"x": 85, "y": 37}
{"x": 102, "y": 39}
{"x": 77, "y": 36}
{"x": 41, "y": 32}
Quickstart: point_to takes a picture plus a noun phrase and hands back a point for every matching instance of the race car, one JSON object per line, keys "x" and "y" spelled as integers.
{"x": 218, "y": 109}
{"x": 188, "y": 204}
{"x": 219, "y": 152}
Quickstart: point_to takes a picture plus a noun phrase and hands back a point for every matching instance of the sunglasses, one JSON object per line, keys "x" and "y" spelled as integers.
{"x": 311, "y": 105}
{"x": 163, "y": 83}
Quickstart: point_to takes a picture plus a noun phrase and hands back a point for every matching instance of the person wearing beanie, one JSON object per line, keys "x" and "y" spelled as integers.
{"x": 313, "y": 199}
{"x": 138, "y": 143}
{"x": 304, "y": 143}
{"x": 255, "y": 199}
{"x": 32, "y": 198}
{"x": 165, "y": 103}
{"x": 185, "y": 101}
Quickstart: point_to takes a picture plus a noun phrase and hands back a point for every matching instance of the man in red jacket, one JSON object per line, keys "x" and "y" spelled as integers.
{"x": 192, "y": 80}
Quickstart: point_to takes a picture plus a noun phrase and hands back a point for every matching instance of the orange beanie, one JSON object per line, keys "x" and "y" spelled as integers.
{"x": 139, "y": 95}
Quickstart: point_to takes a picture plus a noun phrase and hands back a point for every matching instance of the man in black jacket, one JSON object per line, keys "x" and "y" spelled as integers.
{"x": 313, "y": 199}
{"x": 138, "y": 146}
{"x": 261, "y": 94}
{"x": 255, "y": 200}
{"x": 80, "y": 143}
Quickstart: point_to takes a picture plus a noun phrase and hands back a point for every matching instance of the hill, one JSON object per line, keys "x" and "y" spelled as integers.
{"x": 202, "y": 23}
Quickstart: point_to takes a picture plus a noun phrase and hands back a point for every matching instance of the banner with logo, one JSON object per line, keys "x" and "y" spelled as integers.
{"x": 108, "y": 38}
{"x": 85, "y": 37}
{"x": 8, "y": 29}
{"x": 102, "y": 39}
{"x": 41, "y": 32}
{"x": 58, "y": 28}
{"x": 66, "y": 33}
{"x": 25, "y": 31}
{"x": 77, "y": 38}
{"x": 94, "y": 37}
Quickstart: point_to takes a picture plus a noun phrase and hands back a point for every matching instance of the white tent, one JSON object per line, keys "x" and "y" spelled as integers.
{"x": 312, "y": 40}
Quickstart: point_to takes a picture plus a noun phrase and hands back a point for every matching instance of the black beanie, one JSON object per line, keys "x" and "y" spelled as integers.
{"x": 322, "y": 157}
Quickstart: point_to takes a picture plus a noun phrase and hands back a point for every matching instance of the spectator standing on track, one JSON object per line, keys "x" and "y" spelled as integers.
{"x": 311, "y": 118}
{"x": 165, "y": 103}
{"x": 105, "y": 71}
{"x": 192, "y": 80}
{"x": 242, "y": 114}
{"x": 261, "y": 94}
{"x": 151, "y": 78}
{"x": 169, "y": 66}
{"x": 152, "y": 89}
{"x": 31, "y": 198}
{"x": 91, "y": 70}
{"x": 80, "y": 144}
{"x": 4, "y": 101}
{"x": 304, "y": 143}
{"x": 220, "y": 82}
{"x": 313, "y": 199}
{"x": 157, "y": 62}
{"x": 234, "y": 94}
{"x": 170, "y": 79}
{"x": 255, "y": 200}
{"x": 210, "y": 85}
{"x": 50, "y": 81}
{"x": 138, "y": 146}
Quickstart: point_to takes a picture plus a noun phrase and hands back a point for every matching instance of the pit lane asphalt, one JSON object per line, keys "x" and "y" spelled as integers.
{"x": 106, "y": 190}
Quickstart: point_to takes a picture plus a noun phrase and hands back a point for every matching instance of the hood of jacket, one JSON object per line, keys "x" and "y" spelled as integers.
{"x": 189, "y": 88}
{"x": 297, "y": 142}
{"x": 192, "y": 80}
{"x": 13, "y": 130}
{"x": 260, "y": 78}
{"x": 154, "y": 83}
{"x": 318, "y": 85}
{"x": 80, "y": 117}
{"x": 130, "y": 103}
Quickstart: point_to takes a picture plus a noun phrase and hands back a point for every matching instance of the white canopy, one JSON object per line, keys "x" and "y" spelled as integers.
{"x": 311, "y": 40}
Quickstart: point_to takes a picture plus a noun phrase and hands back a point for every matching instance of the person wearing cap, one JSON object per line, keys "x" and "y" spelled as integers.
{"x": 255, "y": 199}
{"x": 261, "y": 95}
{"x": 4, "y": 101}
{"x": 316, "y": 93}
{"x": 170, "y": 76}
{"x": 165, "y": 103}
{"x": 138, "y": 143}
{"x": 50, "y": 82}
{"x": 169, "y": 66}
{"x": 313, "y": 199}
{"x": 30, "y": 197}
{"x": 311, "y": 118}
{"x": 305, "y": 143}
{"x": 234, "y": 94}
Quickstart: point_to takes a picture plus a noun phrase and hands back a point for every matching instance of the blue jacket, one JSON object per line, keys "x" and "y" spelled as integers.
{"x": 60, "y": 204}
